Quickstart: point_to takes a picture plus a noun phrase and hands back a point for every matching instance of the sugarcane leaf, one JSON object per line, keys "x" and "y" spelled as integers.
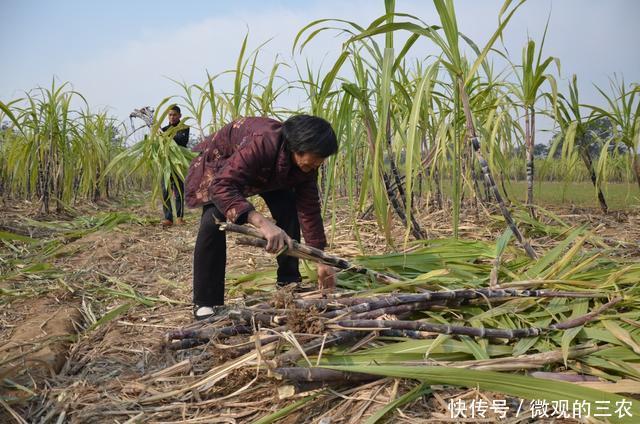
{"x": 439, "y": 340}
{"x": 410, "y": 396}
{"x": 598, "y": 333}
{"x": 498, "y": 33}
{"x": 503, "y": 241}
{"x": 553, "y": 255}
{"x": 621, "y": 334}
{"x": 271, "y": 418}
{"x": 514, "y": 385}
{"x": 110, "y": 316}
{"x": 619, "y": 353}
{"x": 476, "y": 350}
{"x": 4, "y": 235}
{"x": 420, "y": 279}
{"x": 580, "y": 307}
{"x": 619, "y": 367}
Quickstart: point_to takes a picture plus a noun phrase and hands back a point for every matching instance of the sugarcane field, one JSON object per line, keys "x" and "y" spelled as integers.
{"x": 331, "y": 212}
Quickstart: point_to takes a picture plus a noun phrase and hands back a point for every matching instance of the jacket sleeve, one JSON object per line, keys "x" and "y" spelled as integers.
{"x": 253, "y": 160}
{"x": 309, "y": 213}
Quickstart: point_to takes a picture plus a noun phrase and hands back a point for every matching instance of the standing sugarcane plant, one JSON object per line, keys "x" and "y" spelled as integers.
{"x": 624, "y": 112}
{"x": 488, "y": 177}
{"x": 56, "y": 153}
{"x": 575, "y": 131}
{"x": 454, "y": 62}
{"x": 374, "y": 93}
{"x": 531, "y": 76}
{"x": 391, "y": 181}
{"x": 456, "y": 68}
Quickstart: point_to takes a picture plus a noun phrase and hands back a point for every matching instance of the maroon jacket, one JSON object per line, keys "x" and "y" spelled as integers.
{"x": 247, "y": 157}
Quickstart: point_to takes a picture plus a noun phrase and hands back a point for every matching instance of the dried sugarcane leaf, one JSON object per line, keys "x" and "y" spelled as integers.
{"x": 621, "y": 386}
{"x": 553, "y": 255}
{"x": 621, "y": 334}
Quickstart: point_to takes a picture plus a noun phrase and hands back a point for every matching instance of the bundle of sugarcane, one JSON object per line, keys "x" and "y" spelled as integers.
{"x": 436, "y": 315}
{"x": 311, "y": 326}
{"x": 345, "y": 318}
{"x": 364, "y": 314}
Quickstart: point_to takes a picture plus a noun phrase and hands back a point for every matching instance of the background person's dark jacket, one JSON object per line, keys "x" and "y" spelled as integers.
{"x": 247, "y": 157}
{"x": 181, "y": 136}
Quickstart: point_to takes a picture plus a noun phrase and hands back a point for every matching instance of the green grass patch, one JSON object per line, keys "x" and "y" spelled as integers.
{"x": 547, "y": 193}
{"x": 619, "y": 196}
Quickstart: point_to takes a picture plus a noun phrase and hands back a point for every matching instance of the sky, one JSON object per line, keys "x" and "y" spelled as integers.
{"x": 123, "y": 55}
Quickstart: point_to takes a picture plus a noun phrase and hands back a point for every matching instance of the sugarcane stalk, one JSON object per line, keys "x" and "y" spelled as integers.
{"x": 517, "y": 333}
{"x": 238, "y": 351}
{"x": 586, "y": 157}
{"x": 387, "y": 305}
{"x": 208, "y": 333}
{"x": 475, "y": 143}
{"x": 391, "y": 191}
{"x": 303, "y": 251}
{"x": 186, "y": 343}
{"x": 262, "y": 317}
{"x": 426, "y": 162}
{"x": 405, "y": 333}
{"x": 372, "y": 325}
{"x": 581, "y": 320}
{"x": 402, "y": 309}
{"x": 397, "y": 299}
{"x": 416, "y": 231}
{"x": 529, "y": 125}
{"x": 300, "y": 374}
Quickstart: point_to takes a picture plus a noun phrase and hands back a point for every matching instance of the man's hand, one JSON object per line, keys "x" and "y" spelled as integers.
{"x": 276, "y": 238}
{"x": 326, "y": 277}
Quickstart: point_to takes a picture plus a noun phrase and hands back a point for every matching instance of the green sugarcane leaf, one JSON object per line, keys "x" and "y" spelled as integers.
{"x": 478, "y": 351}
{"x": 4, "y": 235}
{"x": 110, "y": 316}
{"x": 509, "y": 384}
{"x": 410, "y": 396}
{"x": 271, "y": 418}
{"x": 580, "y": 307}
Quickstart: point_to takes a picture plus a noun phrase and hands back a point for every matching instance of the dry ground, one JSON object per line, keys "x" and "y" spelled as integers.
{"x": 61, "y": 369}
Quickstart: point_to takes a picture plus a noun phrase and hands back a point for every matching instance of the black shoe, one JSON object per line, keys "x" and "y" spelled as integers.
{"x": 201, "y": 313}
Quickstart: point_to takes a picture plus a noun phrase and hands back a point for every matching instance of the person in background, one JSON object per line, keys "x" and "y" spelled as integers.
{"x": 182, "y": 138}
{"x": 275, "y": 160}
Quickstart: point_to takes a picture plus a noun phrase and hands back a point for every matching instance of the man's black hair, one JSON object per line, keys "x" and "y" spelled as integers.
{"x": 310, "y": 134}
{"x": 176, "y": 108}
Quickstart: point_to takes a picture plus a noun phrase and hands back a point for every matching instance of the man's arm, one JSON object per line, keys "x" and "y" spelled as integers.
{"x": 254, "y": 159}
{"x": 241, "y": 169}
